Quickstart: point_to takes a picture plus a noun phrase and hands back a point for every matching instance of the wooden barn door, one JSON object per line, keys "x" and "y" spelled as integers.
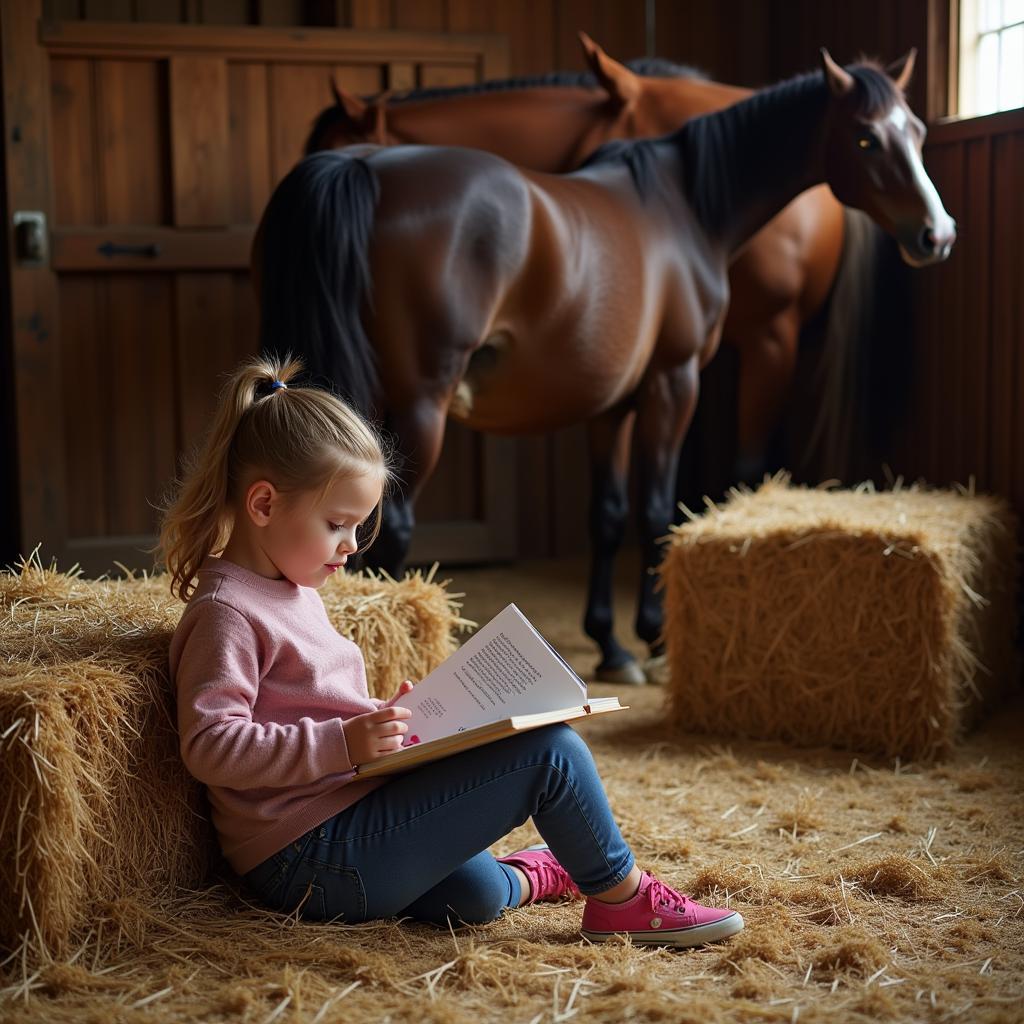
{"x": 160, "y": 149}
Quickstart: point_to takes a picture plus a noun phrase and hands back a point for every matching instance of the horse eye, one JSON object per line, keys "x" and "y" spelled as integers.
{"x": 867, "y": 142}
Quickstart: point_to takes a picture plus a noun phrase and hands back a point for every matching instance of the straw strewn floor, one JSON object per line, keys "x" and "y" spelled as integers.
{"x": 872, "y": 891}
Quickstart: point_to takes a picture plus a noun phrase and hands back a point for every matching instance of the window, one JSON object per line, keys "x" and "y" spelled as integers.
{"x": 991, "y": 56}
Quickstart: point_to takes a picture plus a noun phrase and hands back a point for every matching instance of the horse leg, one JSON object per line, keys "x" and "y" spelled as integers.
{"x": 767, "y": 364}
{"x": 608, "y": 437}
{"x": 665, "y": 408}
{"x": 419, "y": 434}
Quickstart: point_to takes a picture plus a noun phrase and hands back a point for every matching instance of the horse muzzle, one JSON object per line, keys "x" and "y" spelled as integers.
{"x": 929, "y": 244}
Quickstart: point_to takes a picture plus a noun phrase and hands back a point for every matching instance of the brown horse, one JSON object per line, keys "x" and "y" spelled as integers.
{"x": 778, "y": 283}
{"x": 431, "y": 281}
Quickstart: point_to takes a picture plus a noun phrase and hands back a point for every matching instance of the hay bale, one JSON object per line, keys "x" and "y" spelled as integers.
{"x": 880, "y": 622}
{"x": 95, "y": 803}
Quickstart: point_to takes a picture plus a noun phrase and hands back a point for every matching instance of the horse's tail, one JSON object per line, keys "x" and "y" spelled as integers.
{"x": 315, "y": 273}
{"x": 856, "y": 408}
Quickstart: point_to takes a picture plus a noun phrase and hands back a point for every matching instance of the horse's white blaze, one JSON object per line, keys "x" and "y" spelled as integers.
{"x": 941, "y": 222}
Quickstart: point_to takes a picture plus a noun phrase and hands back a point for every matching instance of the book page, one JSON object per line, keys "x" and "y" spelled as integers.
{"x": 506, "y": 668}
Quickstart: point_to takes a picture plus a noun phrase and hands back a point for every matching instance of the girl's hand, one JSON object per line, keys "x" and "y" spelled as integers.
{"x": 374, "y": 735}
{"x": 405, "y": 688}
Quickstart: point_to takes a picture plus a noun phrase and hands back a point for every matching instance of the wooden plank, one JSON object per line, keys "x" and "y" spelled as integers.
{"x": 1008, "y": 304}
{"x": 292, "y": 46}
{"x": 170, "y": 12}
{"x": 74, "y": 174}
{"x": 570, "y": 462}
{"x": 79, "y": 249}
{"x": 33, "y": 424}
{"x": 949, "y": 347}
{"x": 570, "y": 17}
{"x": 58, "y": 9}
{"x": 534, "y": 496}
{"x": 245, "y": 320}
{"x": 207, "y": 347}
{"x": 1013, "y": 272}
{"x": 82, "y": 388}
{"x": 370, "y": 14}
{"x": 361, "y": 79}
{"x": 419, "y": 15}
{"x": 132, "y": 165}
{"x": 941, "y": 54}
{"x": 974, "y": 338}
{"x": 223, "y": 12}
{"x": 280, "y": 12}
{"x": 959, "y": 129}
{"x": 498, "y": 479}
{"x": 199, "y": 150}
{"x": 529, "y": 27}
{"x": 934, "y": 352}
{"x": 441, "y": 75}
{"x": 107, "y": 10}
{"x": 248, "y": 142}
{"x": 138, "y": 399}
{"x": 401, "y": 75}
{"x": 624, "y": 28}
{"x": 1004, "y": 298}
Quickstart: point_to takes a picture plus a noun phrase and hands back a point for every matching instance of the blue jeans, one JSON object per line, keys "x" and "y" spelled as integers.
{"x": 416, "y": 847}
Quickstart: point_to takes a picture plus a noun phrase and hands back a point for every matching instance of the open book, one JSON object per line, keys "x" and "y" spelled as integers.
{"x": 505, "y": 679}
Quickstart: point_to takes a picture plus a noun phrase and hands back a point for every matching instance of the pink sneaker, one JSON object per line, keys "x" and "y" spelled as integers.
{"x": 659, "y": 916}
{"x": 548, "y": 879}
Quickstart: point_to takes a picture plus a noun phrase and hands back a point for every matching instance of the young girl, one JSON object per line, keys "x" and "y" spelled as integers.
{"x": 274, "y": 714}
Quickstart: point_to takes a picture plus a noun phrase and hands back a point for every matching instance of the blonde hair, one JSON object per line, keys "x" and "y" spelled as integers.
{"x": 302, "y": 438}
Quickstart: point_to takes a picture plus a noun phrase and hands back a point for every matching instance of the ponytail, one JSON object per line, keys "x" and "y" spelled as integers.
{"x": 301, "y": 437}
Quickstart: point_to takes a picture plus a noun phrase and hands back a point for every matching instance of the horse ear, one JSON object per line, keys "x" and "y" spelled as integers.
{"x": 840, "y": 81}
{"x": 616, "y": 79}
{"x": 353, "y": 106}
{"x": 901, "y": 70}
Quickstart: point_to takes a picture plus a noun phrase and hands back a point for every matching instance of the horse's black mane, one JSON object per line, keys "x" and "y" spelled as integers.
{"x": 721, "y": 150}
{"x": 713, "y": 185}
{"x": 646, "y": 67}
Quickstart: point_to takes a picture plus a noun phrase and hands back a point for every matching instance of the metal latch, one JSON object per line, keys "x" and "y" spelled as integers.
{"x": 30, "y": 241}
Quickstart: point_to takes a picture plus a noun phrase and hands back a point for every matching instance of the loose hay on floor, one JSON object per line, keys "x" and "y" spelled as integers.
{"x": 881, "y": 622}
{"x": 838, "y": 928}
{"x": 95, "y": 803}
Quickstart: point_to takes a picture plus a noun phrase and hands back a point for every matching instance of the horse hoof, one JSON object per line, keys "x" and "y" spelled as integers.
{"x": 629, "y": 674}
{"x": 656, "y": 670}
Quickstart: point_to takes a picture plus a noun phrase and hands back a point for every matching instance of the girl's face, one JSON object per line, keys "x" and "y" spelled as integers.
{"x": 310, "y": 538}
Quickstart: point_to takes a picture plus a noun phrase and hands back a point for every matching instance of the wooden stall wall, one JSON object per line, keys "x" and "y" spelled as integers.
{"x": 959, "y": 409}
{"x": 964, "y": 421}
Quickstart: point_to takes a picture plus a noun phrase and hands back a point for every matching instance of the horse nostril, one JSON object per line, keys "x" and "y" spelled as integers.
{"x": 927, "y": 240}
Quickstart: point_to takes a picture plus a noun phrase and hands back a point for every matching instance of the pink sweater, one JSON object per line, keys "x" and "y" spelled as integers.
{"x": 264, "y": 682}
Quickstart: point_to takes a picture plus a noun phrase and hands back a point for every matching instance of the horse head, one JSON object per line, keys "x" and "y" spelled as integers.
{"x": 873, "y": 146}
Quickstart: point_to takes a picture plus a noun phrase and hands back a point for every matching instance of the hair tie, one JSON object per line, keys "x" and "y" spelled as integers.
{"x": 277, "y": 384}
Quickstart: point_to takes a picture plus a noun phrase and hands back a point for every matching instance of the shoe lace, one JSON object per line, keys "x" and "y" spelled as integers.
{"x": 551, "y": 876}
{"x": 660, "y": 895}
